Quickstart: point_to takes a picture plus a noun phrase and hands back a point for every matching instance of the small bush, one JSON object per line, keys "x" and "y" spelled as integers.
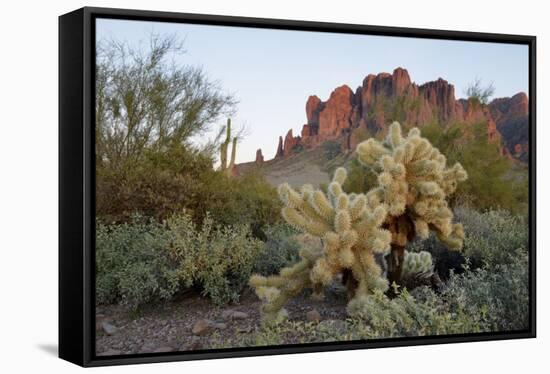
{"x": 165, "y": 183}
{"x": 484, "y": 300}
{"x": 494, "y": 237}
{"x": 331, "y": 149}
{"x": 219, "y": 259}
{"x": 132, "y": 266}
{"x": 498, "y": 295}
{"x": 143, "y": 261}
{"x": 281, "y": 249}
{"x": 360, "y": 178}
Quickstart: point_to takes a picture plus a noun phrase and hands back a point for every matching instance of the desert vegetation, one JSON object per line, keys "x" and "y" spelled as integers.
{"x": 420, "y": 230}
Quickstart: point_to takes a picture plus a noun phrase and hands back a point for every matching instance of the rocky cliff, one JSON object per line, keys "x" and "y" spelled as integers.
{"x": 347, "y": 115}
{"x": 512, "y": 118}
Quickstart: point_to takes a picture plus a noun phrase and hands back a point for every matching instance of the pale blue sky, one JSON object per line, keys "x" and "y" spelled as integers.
{"x": 272, "y": 72}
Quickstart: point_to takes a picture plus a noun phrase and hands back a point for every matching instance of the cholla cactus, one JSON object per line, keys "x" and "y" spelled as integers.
{"x": 417, "y": 263}
{"x": 413, "y": 185}
{"x": 351, "y": 235}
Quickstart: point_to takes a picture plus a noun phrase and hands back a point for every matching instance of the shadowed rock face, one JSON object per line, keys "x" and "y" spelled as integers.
{"x": 512, "y": 121}
{"x": 385, "y": 97}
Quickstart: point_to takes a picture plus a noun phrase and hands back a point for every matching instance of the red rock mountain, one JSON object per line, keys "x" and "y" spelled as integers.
{"x": 347, "y": 115}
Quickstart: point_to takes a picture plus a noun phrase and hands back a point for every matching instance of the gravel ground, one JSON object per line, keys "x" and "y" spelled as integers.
{"x": 173, "y": 326}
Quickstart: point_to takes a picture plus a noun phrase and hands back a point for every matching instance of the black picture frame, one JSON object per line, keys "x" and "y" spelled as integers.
{"x": 77, "y": 183}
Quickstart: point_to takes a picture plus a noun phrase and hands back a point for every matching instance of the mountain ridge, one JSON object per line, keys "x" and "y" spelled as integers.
{"x": 347, "y": 115}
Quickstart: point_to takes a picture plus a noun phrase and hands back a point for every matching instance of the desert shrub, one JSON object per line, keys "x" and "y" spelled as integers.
{"x": 478, "y": 301}
{"x": 493, "y": 181}
{"x": 406, "y": 315}
{"x": 280, "y": 250}
{"x": 161, "y": 184}
{"x": 218, "y": 259}
{"x": 245, "y": 199}
{"x": 132, "y": 266}
{"x": 180, "y": 178}
{"x": 498, "y": 295}
{"x": 495, "y": 237}
{"x": 492, "y": 238}
{"x": 360, "y": 178}
{"x": 331, "y": 149}
{"x": 143, "y": 261}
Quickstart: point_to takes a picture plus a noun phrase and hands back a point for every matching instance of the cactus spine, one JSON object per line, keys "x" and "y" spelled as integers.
{"x": 414, "y": 183}
{"x": 351, "y": 234}
{"x": 224, "y": 147}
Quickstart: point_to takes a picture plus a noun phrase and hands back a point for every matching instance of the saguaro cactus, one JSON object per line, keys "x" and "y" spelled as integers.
{"x": 414, "y": 183}
{"x": 351, "y": 233}
{"x": 224, "y": 149}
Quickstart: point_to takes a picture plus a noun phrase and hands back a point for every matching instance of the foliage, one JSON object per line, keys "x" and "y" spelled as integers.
{"x": 178, "y": 179}
{"x": 492, "y": 182}
{"x": 217, "y": 258}
{"x": 331, "y": 149}
{"x": 132, "y": 266}
{"x": 142, "y": 261}
{"x": 360, "y": 134}
{"x": 144, "y": 102}
{"x": 360, "y": 178}
{"x": 478, "y": 93}
{"x": 493, "y": 238}
{"x": 281, "y": 249}
{"x": 480, "y": 301}
{"x": 351, "y": 236}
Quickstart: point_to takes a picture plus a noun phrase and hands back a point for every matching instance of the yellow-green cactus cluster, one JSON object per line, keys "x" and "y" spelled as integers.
{"x": 351, "y": 233}
{"x": 417, "y": 263}
{"x": 413, "y": 182}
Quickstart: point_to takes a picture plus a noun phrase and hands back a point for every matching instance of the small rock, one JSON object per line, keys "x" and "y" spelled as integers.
{"x": 313, "y": 316}
{"x": 206, "y": 326}
{"x": 202, "y": 327}
{"x": 108, "y": 328}
{"x": 233, "y": 315}
{"x": 163, "y": 349}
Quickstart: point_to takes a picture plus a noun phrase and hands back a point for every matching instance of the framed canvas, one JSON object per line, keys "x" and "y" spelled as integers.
{"x": 234, "y": 186}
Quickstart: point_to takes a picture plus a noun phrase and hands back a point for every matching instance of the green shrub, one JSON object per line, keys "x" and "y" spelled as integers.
{"x": 484, "y": 300}
{"x": 498, "y": 296}
{"x": 165, "y": 183}
{"x": 331, "y": 149}
{"x": 281, "y": 249}
{"x": 360, "y": 178}
{"x": 493, "y": 180}
{"x": 218, "y": 259}
{"x": 144, "y": 261}
{"x": 494, "y": 237}
{"x": 132, "y": 266}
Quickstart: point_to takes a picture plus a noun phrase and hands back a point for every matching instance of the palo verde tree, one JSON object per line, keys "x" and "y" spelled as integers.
{"x": 149, "y": 100}
{"x": 351, "y": 233}
{"x": 414, "y": 183}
